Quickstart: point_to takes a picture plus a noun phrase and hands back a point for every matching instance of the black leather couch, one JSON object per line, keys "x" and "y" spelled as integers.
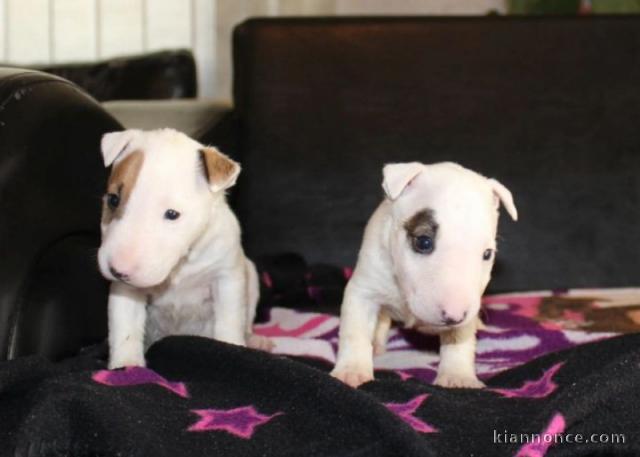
{"x": 548, "y": 106}
{"x": 52, "y": 299}
{"x": 152, "y": 76}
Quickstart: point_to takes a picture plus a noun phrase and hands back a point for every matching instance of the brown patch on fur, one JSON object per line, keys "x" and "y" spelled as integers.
{"x": 121, "y": 182}
{"x": 422, "y": 223}
{"x": 218, "y": 168}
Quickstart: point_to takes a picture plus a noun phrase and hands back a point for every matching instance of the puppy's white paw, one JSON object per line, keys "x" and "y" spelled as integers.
{"x": 260, "y": 342}
{"x": 126, "y": 358}
{"x": 457, "y": 381}
{"x": 353, "y": 375}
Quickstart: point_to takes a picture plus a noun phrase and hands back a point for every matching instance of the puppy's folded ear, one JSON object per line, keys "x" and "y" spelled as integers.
{"x": 502, "y": 194}
{"x": 220, "y": 170}
{"x": 397, "y": 176}
{"x": 114, "y": 145}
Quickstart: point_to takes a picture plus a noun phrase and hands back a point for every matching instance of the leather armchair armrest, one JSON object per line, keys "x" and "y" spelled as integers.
{"x": 52, "y": 299}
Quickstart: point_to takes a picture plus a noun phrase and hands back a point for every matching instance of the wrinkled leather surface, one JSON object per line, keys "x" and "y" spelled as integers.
{"x": 52, "y": 298}
{"x": 159, "y": 75}
{"x": 549, "y": 106}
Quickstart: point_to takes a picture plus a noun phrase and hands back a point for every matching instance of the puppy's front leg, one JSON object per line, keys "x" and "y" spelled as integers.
{"x": 381, "y": 334}
{"x": 127, "y": 317}
{"x": 354, "y": 365}
{"x": 230, "y": 316}
{"x": 457, "y": 358}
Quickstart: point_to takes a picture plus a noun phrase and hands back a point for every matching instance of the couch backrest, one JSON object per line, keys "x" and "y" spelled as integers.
{"x": 157, "y": 75}
{"x": 549, "y": 106}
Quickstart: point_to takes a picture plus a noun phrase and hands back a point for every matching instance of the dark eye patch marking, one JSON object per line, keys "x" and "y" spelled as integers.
{"x": 421, "y": 224}
{"x": 121, "y": 183}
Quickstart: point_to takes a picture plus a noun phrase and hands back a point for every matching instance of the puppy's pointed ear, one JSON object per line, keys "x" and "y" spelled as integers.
{"x": 220, "y": 170}
{"x": 502, "y": 194}
{"x": 397, "y": 176}
{"x": 114, "y": 145}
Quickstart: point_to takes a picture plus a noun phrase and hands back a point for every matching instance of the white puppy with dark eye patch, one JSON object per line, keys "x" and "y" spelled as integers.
{"x": 171, "y": 245}
{"x": 425, "y": 260}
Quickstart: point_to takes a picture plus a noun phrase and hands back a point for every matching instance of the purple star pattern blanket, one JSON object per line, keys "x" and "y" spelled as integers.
{"x": 517, "y": 328}
{"x": 560, "y": 381}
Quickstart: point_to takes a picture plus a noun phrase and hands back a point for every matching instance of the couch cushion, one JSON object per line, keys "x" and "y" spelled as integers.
{"x": 549, "y": 106}
{"x": 191, "y": 116}
{"x": 158, "y": 75}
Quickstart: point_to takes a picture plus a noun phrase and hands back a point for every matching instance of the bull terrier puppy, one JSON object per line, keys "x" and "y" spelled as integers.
{"x": 425, "y": 260}
{"x": 171, "y": 245}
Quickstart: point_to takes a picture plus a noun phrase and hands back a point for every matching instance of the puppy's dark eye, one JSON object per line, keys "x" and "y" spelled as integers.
{"x": 171, "y": 214}
{"x": 487, "y": 254}
{"x": 423, "y": 244}
{"x": 113, "y": 201}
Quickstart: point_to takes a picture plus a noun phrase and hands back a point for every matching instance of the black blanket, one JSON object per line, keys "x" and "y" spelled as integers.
{"x": 204, "y": 398}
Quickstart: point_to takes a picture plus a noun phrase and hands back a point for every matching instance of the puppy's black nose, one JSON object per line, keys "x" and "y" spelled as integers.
{"x": 116, "y": 274}
{"x": 450, "y": 320}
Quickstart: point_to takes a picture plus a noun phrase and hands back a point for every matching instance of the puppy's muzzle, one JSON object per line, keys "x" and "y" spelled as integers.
{"x": 450, "y": 320}
{"x": 120, "y": 276}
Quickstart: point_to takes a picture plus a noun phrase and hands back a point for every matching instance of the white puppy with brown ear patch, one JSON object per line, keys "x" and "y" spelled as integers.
{"x": 171, "y": 245}
{"x": 425, "y": 260}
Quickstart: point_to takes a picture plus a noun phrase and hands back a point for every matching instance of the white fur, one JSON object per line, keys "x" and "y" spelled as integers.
{"x": 187, "y": 276}
{"x": 392, "y": 280}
